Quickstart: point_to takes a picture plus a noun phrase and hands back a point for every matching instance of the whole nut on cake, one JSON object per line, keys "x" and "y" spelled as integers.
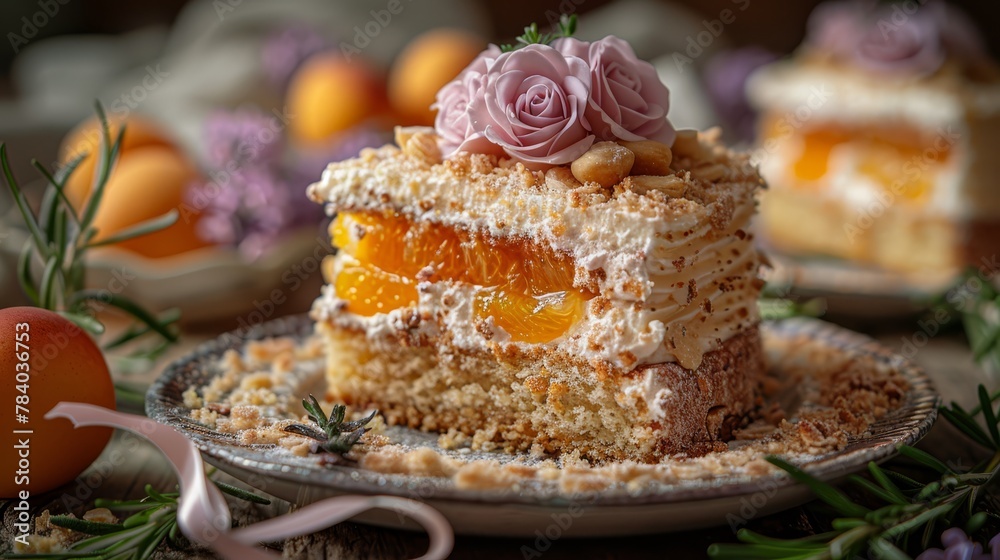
{"x": 671, "y": 185}
{"x": 605, "y": 163}
{"x": 651, "y": 157}
{"x": 419, "y": 142}
{"x": 687, "y": 144}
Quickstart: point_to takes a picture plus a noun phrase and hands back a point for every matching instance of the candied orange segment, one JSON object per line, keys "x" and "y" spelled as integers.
{"x": 370, "y": 238}
{"x": 531, "y": 318}
{"x": 369, "y": 290}
{"x": 814, "y": 162}
{"x": 902, "y": 159}
{"x": 526, "y": 289}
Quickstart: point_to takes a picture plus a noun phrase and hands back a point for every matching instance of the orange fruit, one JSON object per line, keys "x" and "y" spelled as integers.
{"x": 428, "y": 63}
{"x": 46, "y": 360}
{"x": 86, "y": 139}
{"x": 149, "y": 182}
{"x": 528, "y": 290}
{"x": 330, "y": 94}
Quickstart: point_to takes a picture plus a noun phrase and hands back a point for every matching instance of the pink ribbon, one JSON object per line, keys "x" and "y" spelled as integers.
{"x": 203, "y": 514}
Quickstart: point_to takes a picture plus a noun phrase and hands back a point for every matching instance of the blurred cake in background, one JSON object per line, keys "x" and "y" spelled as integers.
{"x": 877, "y": 138}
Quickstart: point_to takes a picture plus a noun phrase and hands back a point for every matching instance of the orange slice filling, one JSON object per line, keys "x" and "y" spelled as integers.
{"x": 527, "y": 290}
{"x": 899, "y": 159}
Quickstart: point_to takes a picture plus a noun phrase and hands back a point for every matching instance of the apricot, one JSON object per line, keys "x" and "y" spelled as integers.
{"x": 330, "y": 94}
{"x": 527, "y": 289}
{"x": 148, "y": 182}
{"x": 86, "y": 139}
{"x": 46, "y": 359}
{"x": 428, "y": 63}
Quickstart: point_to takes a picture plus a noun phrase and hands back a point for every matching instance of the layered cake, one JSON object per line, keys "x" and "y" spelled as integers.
{"x": 876, "y": 139}
{"x": 551, "y": 268}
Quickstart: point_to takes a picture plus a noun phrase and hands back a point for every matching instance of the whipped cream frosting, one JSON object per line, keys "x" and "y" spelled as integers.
{"x": 808, "y": 95}
{"x": 817, "y": 90}
{"x": 675, "y": 276}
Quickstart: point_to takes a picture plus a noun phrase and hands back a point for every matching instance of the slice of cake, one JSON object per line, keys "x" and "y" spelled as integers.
{"x": 553, "y": 268}
{"x": 876, "y": 139}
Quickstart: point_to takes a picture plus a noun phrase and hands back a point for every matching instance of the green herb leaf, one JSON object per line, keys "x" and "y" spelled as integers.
{"x": 241, "y": 493}
{"x": 58, "y": 183}
{"x": 41, "y": 243}
{"x": 924, "y": 458}
{"x": 126, "y": 305}
{"x": 24, "y": 273}
{"x": 989, "y": 415}
{"x": 84, "y": 526}
{"x": 140, "y": 229}
{"x": 835, "y": 498}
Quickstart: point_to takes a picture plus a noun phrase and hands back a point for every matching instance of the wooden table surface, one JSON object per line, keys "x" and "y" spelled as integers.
{"x": 945, "y": 357}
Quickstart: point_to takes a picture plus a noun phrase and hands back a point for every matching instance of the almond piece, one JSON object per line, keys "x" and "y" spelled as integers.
{"x": 605, "y": 163}
{"x": 404, "y": 133}
{"x": 423, "y": 146}
{"x": 687, "y": 144}
{"x": 671, "y": 185}
{"x": 651, "y": 157}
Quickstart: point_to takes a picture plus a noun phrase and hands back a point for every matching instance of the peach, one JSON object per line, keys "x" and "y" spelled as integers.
{"x": 86, "y": 139}
{"x": 148, "y": 182}
{"x": 47, "y": 359}
{"x": 428, "y": 63}
{"x": 330, "y": 94}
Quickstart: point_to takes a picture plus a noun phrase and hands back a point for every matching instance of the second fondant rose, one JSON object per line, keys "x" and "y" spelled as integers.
{"x": 627, "y": 100}
{"x": 532, "y": 105}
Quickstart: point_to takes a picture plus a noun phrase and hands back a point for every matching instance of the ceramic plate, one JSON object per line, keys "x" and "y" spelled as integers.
{"x": 526, "y": 508}
{"x": 854, "y": 290}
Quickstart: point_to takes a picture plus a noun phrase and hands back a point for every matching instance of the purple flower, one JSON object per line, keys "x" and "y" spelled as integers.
{"x": 725, "y": 77}
{"x": 251, "y": 199}
{"x": 284, "y": 51}
{"x": 958, "y": 546}
{"x": 235, "y": 137}
{"x": 309, "y": 164}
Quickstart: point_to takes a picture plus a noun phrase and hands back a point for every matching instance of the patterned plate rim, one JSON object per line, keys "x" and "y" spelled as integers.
{"x": 903, "y": 426}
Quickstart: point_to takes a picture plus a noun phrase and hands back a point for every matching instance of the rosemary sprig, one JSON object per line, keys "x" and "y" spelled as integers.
{"x": 153, "y": 520}
{"x": 60, "y": 238}
{"x": 910, "y": 514}
{"x": 775, "y": 304}
{"x": 532, "y": 36}
{"x": 334, "y": 435}
{"x": 975, "y": 302}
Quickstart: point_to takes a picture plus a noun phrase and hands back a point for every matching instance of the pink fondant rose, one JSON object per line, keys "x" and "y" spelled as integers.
{"x": 894, "y": 39}
{"x": 452, "y": 104}
{"x": 532, "y": 105}
{"x": 913, "y": 46}
{"x": 627, "y": 99}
